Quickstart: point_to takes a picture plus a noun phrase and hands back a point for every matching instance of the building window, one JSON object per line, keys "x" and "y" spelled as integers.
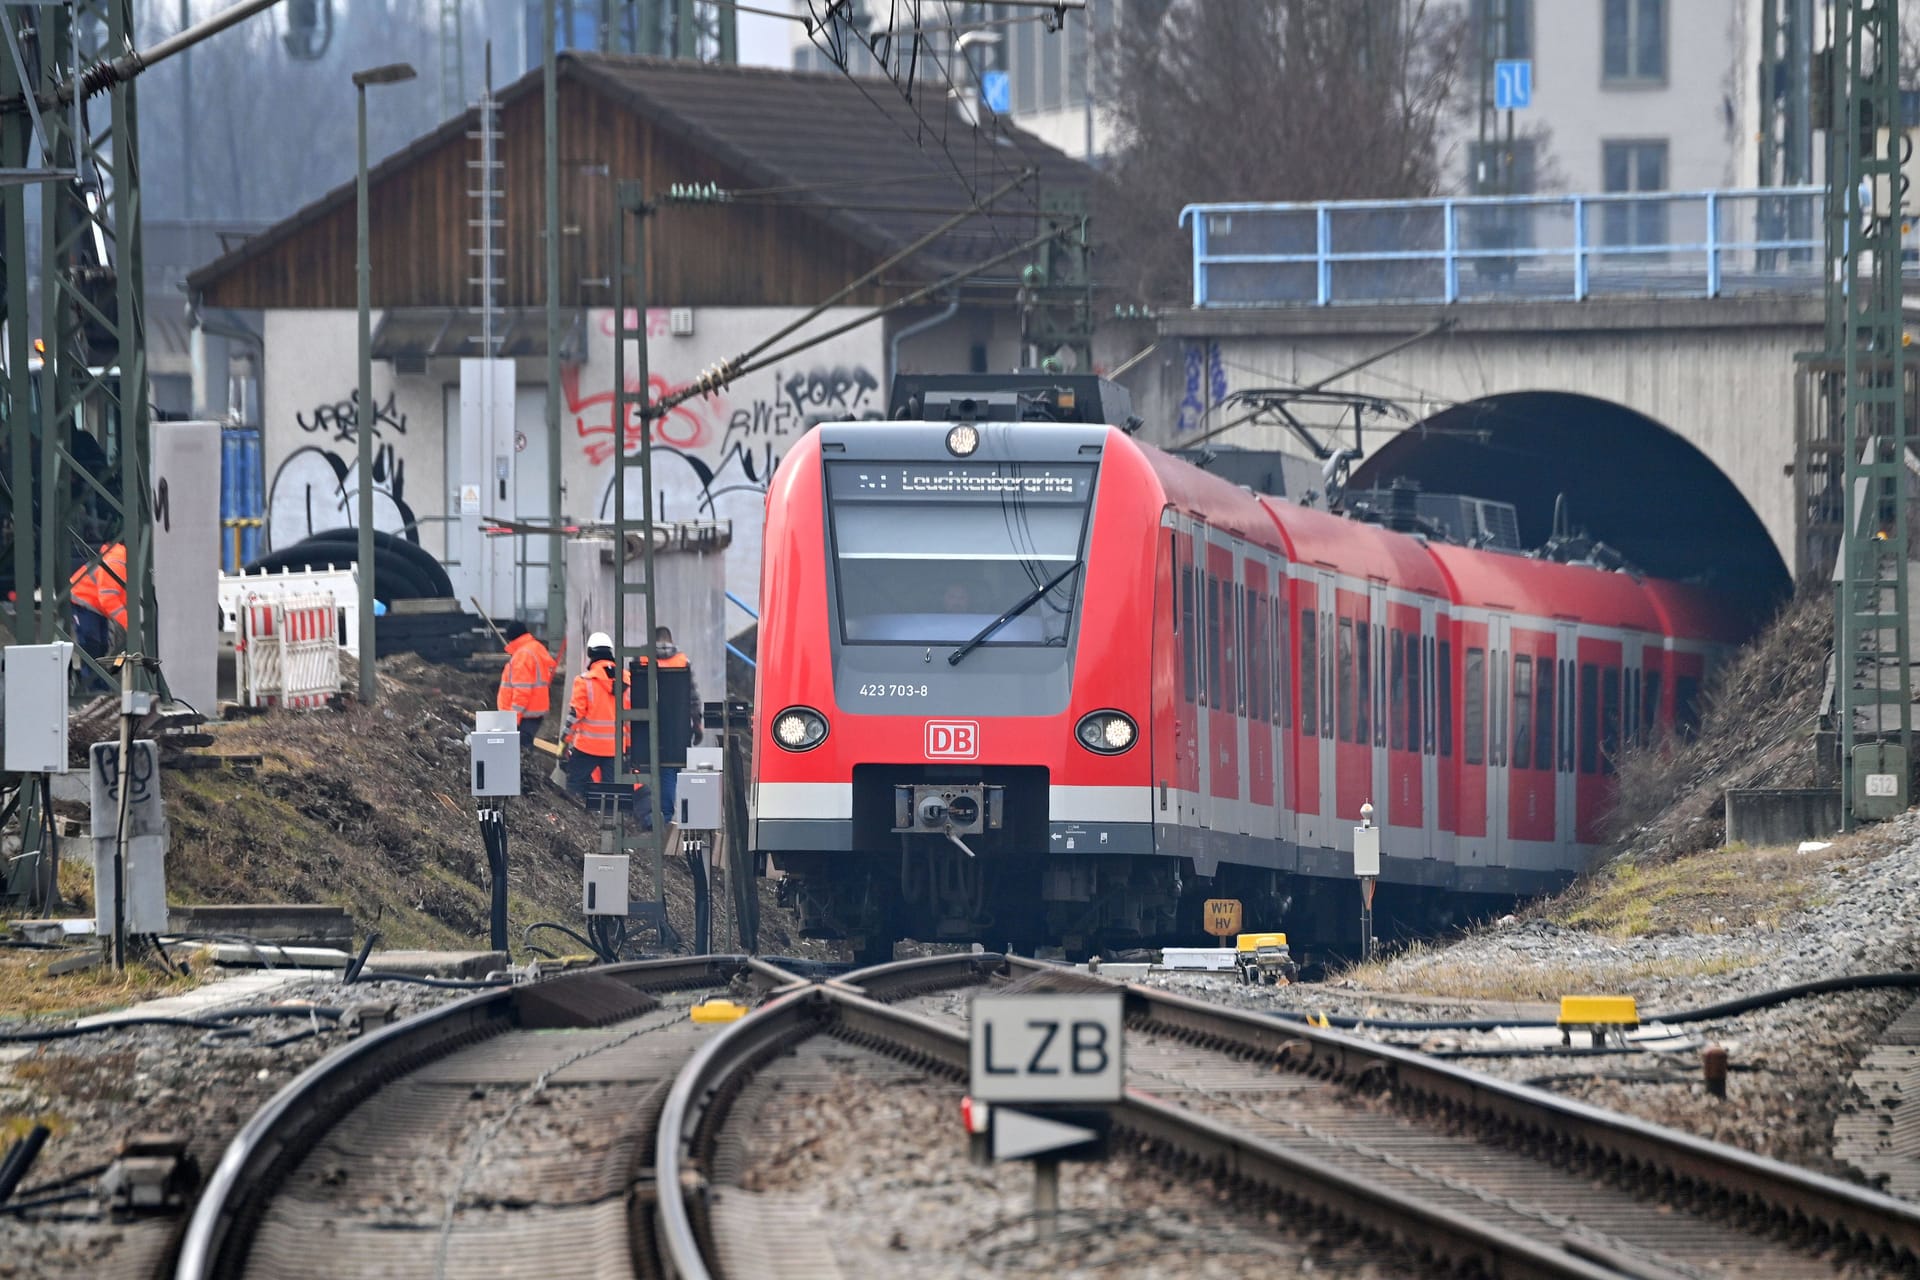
{"x": 1634, "y": 167}
{"x": 1504, "y": 28}
{"x": 1634, "y": 41}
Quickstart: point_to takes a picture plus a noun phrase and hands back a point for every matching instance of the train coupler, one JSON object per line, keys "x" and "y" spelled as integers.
{"x": 947, "y": 810}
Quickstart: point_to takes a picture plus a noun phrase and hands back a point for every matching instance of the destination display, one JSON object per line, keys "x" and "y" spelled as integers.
{"x": 959, "y": 481}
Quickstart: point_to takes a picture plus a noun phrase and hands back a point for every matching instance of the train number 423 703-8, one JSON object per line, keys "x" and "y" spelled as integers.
{"x": 893, "y": 691}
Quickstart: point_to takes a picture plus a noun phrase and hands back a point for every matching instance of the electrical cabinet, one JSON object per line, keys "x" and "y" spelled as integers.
{"x": 604, "y": 891}
{"x": 36, "y": 707}
{"x": 495, "y": 763}
{"x": 697, "y": 801}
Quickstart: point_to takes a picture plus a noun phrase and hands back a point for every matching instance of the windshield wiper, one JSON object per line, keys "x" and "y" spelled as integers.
{"x": 1032, "y": 598}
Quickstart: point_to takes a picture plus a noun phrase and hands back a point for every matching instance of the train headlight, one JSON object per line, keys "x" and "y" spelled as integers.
{"x": 799, "y": 729}
{"x": 1107, "y": 732}
{"x": 963, "y": 440}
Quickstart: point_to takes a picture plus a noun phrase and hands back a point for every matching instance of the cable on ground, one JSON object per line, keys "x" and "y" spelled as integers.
{"x": 1707, "y": 1013}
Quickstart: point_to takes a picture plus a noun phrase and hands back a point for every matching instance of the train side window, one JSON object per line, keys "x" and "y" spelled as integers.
{"x": 1256, "y": 656}
{"x": 1686, "y": 706}
{"x": 1416, "y": 691}
{"x": 1213, "y": 643}
{"x": 1329, "y": 665}
{"x": 1379, "y": 684}
{"x": 1429, "y": 695}
{"x": 1282, "y": 705}
{"x": 1345, "y": 692}
{"x": 1650, "y": 707}
{"x": 1566, "y": 723}
{"x": 1364, "y": 731}
{"x": 1189, "y": 642}
{"x": 1473, "y": 713}
{"x": 1397, "y": 686}
{"x": 1589, "y": 718}
{"x": 1497, "y": 707}
{"x": 1543, "y": 718}
{"x": 1609, "y": 718}
{"x": 1522, "y": 712}
{"x": 1237, "y": 655}
{"x": 1629, "y": 705}
{"x": 1445, "y": 686}
{"x": 1309, "y": 675}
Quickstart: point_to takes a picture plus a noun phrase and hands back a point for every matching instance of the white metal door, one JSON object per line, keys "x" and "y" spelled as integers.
{"x": 531, "y": 498}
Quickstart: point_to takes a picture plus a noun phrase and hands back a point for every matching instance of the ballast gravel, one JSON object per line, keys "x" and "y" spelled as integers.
{"x": 96, "y": 1091}
{"x": 1789, "y": 1062}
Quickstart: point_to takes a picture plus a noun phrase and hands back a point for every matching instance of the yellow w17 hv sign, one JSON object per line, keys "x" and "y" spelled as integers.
{"x": 1222, "y": 916}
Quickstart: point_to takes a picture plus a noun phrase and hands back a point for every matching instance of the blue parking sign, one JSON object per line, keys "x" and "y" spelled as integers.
{"x": 994, "y": 91}
{"x": 1512, "y": 84}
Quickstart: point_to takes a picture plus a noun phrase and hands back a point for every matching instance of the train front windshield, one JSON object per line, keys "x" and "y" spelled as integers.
{"x": 933, "y": 552}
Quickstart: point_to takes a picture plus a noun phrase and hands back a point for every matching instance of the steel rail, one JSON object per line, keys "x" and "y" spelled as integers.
{"x": 1768, "y": 1194}
{"x": 904, "y": 979}
{"x": 1613, "y": 1145}
{"x": 258, "y": 1158}
{"x": 696, "y": 1106}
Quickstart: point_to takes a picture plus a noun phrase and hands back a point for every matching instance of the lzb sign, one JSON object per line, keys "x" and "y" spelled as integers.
{"x": 1047, "y": 1048}
{"x": 953, "y": 739}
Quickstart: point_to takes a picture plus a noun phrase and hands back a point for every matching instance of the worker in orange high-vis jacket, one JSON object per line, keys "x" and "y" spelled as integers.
{"x": 593, "y": 729}
{"x": 526, "y": 686}
{"x": 100, "y": 600}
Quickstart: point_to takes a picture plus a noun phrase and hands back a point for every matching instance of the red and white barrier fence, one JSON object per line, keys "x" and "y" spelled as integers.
{"x": 288, "y": 651}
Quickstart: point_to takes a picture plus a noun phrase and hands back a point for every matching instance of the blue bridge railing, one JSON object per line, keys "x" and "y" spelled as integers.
{"x": 751, "y": 612}
{"x": 1695, "y": 244}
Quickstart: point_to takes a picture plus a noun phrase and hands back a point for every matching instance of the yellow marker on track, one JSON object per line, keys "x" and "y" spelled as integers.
{"x": 718, "y": 1011}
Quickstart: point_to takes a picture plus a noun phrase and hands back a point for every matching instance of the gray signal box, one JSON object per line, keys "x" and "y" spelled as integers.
{"x": 1879, "y": 780}
{"x": 496, "y": 763}
{"x": 697, "y": 799}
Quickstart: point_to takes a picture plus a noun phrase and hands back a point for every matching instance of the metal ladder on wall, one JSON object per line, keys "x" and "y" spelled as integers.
{"x": 633, "y": 541}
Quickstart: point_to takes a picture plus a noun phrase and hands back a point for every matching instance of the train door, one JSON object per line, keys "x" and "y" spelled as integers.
{"x": 1239, "y": 674}
{"x": 1566, "y": 730}
{"x": 1378, "y": 789}
{"x": 1205, "y": 620}
{"x": 1223, "y": 710}
{"x": 1286, "y": 795}
{"x": 1304, "y": 762}
{"x": 1326, "y": 600}
{"x": 1599, "y": 739}
{"x": 1428, "y": 729}
{"x": 1182, "y": 775}
{"x": 1262, "y": 797}
{"x": 1499, "y": 780}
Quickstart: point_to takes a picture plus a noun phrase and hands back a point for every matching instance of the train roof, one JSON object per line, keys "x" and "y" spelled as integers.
{"x": 1356, "y": 549}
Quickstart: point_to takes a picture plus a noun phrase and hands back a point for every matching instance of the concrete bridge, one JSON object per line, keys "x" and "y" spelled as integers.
{"x": 1634, "y": 362}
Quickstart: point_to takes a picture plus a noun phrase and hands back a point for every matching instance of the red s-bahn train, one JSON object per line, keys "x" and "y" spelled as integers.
{"x": 1026, "y": 680}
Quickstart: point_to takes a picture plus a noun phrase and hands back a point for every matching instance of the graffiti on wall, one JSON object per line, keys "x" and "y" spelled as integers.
{"x": 686, "y": 426}
{"x": 339, "y": 419}
{"x": 1206, "y": 384}
{"x": 316, "y": 489}
{"x": 723, "y": 442}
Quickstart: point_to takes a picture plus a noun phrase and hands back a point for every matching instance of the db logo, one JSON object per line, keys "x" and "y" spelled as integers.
{"x": 953, "y": 739}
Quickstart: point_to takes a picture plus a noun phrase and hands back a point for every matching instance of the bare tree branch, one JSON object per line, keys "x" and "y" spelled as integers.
{"x": 1270, "y": 100}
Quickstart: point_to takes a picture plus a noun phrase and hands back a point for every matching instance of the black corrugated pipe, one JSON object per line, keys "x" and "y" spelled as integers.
{"x": 1708, "y": 1013}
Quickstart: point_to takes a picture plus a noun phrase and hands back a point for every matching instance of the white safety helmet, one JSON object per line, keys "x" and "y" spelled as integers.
{"x": 599, "y": 640}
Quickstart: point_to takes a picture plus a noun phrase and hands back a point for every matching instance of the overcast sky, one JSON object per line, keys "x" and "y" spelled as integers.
{"x": 766, "y": 42}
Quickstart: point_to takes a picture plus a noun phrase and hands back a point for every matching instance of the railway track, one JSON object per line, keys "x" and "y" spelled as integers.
{"x": 503, "y": 1134}
{"x": 1455, "y": 1172}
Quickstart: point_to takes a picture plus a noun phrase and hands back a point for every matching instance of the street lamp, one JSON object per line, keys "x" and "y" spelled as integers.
{"x": 392, "y": 73}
